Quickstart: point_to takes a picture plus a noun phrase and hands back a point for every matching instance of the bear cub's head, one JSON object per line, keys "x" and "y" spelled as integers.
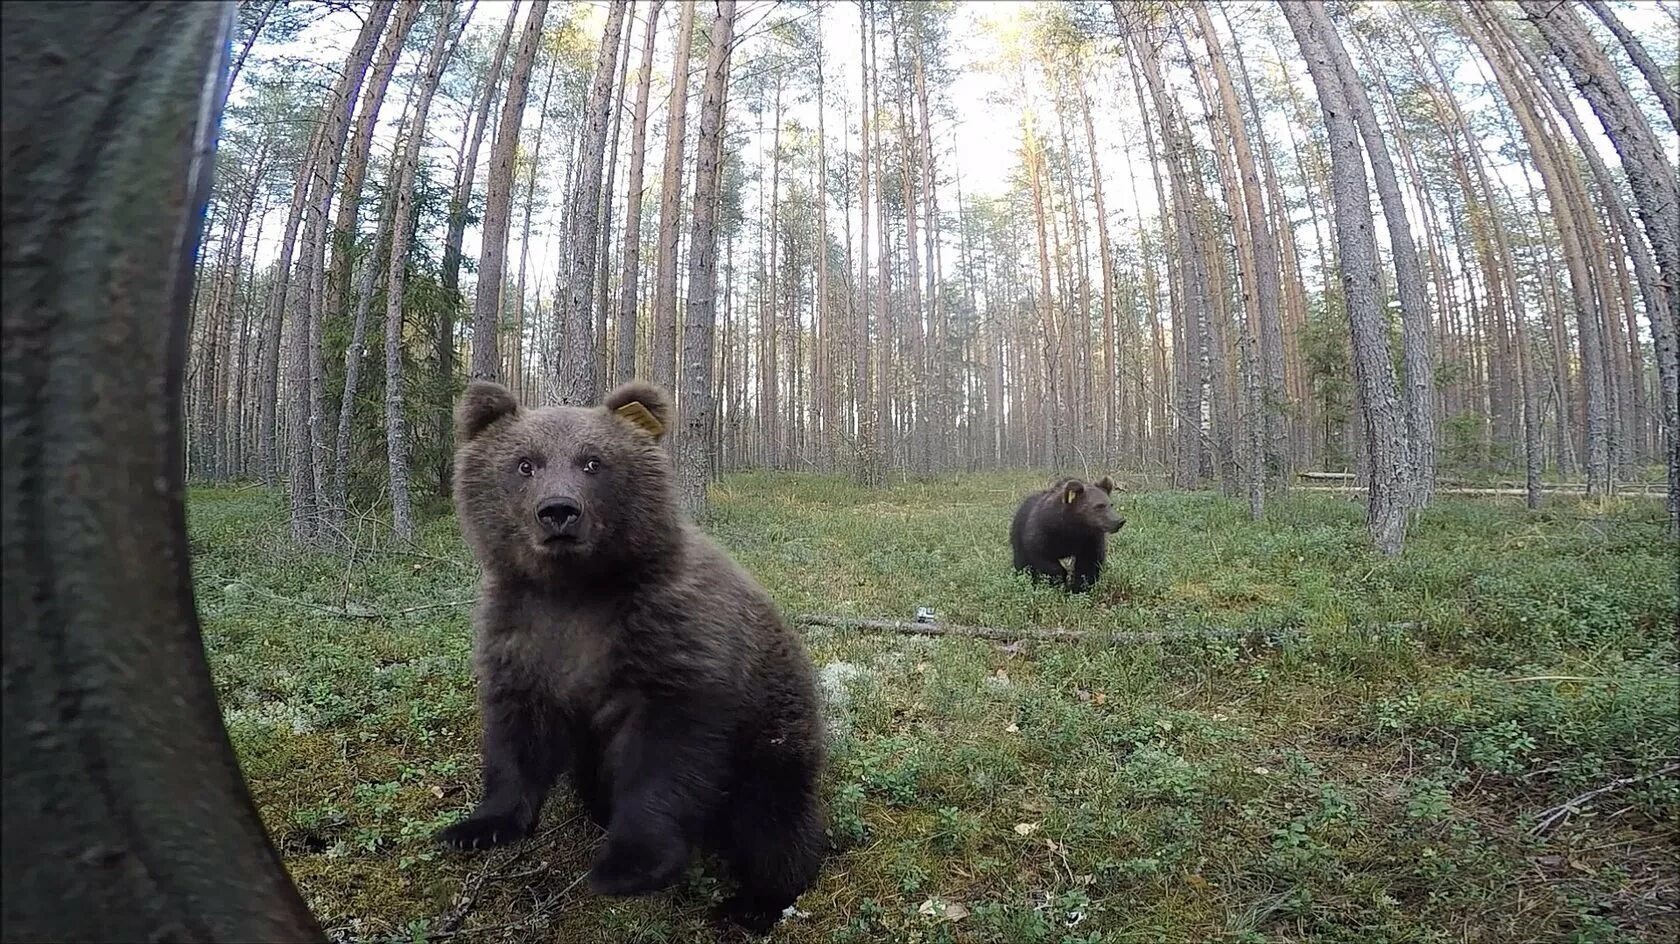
{"x": 1090, "y": 504}
{"x": 562, "y": 485}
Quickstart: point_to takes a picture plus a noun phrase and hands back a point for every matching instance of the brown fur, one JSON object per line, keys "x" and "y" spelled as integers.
{"x": 618, "y": 644}
{"x": 1069, "y": 519}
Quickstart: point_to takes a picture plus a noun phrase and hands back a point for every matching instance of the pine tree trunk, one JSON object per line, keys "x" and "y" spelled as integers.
{"x": 498, "y": 203}
{"x": 517, "y": 360}
{"x": 1562, "y": 186}
{"x": 356, "y": 159}
{"x": 306, "y": 484}
{"x": 275, "y": 320}
{"x": 774, "y": 443}
{"x": 356, "y": 350}
{"x": 1656, "y": 195}
{"x": 664, "y": 347}
{"x": 631, "y": 254}
{"x": 825, "y": 416}
{"x": 396, "y": 278}
{"x": 460, "y": 195}
{"x": 696, "y": 407}
{"x": 1385, "y": 438}
{"x": 871, "y": 468}
{"x": 576, "y": 374}
{"x": 604, "y": 348}
{"x": 1409, "y": 279}
{"x": 1642, "y": 60}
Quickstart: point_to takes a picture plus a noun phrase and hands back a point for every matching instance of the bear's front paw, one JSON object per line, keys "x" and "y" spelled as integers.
{"x": 481, "y": 832}
{"x": 631, "y": 868}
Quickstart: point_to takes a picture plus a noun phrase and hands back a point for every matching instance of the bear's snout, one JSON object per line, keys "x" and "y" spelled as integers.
{"x": 1118, "y": 524}
{"x": 561, "y": 517}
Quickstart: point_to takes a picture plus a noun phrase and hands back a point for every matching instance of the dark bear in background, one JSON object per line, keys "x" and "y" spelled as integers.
{"x": 616, "y": 643}
{"x": 1068, "y": 519}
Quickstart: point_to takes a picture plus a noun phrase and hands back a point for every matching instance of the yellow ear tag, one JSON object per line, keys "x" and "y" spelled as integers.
{"x": 638, "y": 414}
{"x": 1069, "y": 497}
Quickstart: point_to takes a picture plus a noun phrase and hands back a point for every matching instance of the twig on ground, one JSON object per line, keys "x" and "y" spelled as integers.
{"x": 347, "y": 612}
{"x": 1560, "y": 813}
{"x": 1050, "y": 635}
{"x": 450, "y": 922}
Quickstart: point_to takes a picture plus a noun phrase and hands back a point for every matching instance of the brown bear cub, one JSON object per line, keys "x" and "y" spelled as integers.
{"x": 617, "y": 644}
{"x": 1068, "y": 519}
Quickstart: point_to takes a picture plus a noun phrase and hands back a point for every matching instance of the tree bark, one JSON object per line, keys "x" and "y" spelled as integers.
{"x": 696, "y": 407}
{"x": 603, "y": 348}
{"x": 1385, "y": 439}
{"x": 1641, "y": 60}
{"x": 631, "y": 255}
{"x": 670, "y": 204}
{"x": 460, "y": 197}
{"x": 1274, "y": 400}
{"x": 306, "y": 485}
{"x": 1563, "y": 188}
{"x": 118, "y": 106}
{"x": 1651, "y": 177}
{"x": 396, "y": 278}
{"x": 517, "y": 382}
{"x": 498, "y": 203}
{"x": 1418, "y": 392}
{"x": 576, "y": 380}
{"x": 320, "y": 455}
{"x": 356, "y": 349}
{"x": 1191, "y": 277}
{"x": 356, "y": 159}
{"x": 871, "y": 469}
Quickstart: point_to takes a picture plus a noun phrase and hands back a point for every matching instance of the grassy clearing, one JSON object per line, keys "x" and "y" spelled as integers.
{"x": 1357, "y": 781}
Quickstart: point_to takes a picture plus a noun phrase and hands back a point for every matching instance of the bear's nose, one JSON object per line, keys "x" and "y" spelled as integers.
{"x": 559, "y": 516}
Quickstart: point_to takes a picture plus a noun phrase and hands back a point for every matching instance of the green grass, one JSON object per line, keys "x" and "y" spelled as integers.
{"x": 1371, "y": 774}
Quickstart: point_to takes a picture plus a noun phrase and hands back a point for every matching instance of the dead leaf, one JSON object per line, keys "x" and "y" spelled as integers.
{"x": 921, "y": 667}
{"x": 439, "y": 792}
{"x": 949, "y": 910}
{"x": 1263, "y": 771}
{"x": 1034, "y": 805}
{"x": 1550, "y": 861}
{"x": 1083, "y": 695}
{"x": 1197, "y": 882}
{"x": 1026, "y": 829}
{"x": 1013, "y": 728}
{"x": 1100, "y": 698}
{"x": 1002, "y": 674}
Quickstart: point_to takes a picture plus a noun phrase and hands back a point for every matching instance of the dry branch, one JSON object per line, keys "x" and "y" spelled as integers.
{"x": 1558, "y": 814}
{"x": 1057, "y": 634}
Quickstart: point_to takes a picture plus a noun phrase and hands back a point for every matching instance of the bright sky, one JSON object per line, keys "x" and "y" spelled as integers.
{"x": 983, "y": 139}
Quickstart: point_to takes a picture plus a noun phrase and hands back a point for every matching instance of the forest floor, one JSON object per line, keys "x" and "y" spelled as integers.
{"x": 1370, "y": 764}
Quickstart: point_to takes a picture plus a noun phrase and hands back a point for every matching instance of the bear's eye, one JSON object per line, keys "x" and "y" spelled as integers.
{"x": 525, "y": 468}
{"x": 592, "y": 465}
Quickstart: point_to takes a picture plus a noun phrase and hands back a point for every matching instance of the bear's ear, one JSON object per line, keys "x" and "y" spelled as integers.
{"x": 1107, "y": 485}
{"x": 484, "y": 403}
{"x": 643, "y": 404}
{"x": 1074, "y": 489}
